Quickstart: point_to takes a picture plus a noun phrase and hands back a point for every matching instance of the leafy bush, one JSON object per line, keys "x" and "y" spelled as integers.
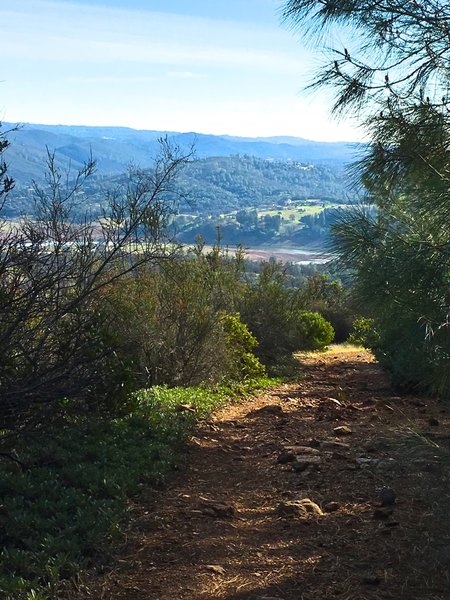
{"x": 267, "y": 308}
{"x": 243, "y": 364}
{"x": 170, "y": 327}
{"x": 311, "y": 331}
{"x": 364, "y": 333}
{"x": 67, "y": 502}
{"x": 53, "y": 264}
{"x": 276, "y": 315}
{"x": 329, "y": 298}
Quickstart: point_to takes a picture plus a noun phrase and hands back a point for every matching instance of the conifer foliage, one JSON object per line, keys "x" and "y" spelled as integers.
{"x": 394, "y": 75}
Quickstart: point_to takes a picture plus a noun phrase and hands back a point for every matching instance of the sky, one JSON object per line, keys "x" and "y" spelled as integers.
{"x": 210, "y": 66}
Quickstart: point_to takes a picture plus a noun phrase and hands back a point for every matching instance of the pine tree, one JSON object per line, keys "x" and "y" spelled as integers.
{"x": 394, "y": 74}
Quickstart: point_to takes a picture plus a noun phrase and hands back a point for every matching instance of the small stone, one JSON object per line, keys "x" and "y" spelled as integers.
{"x": 217, "y": 510}
{"x": 332, "y": 507}
{"x": 304, "y": 461}
{"x": 343, "y": 430}
{"x": 433, "y": 422}
{"x": 286, "y": 457}
{"x": 387, "y": 496}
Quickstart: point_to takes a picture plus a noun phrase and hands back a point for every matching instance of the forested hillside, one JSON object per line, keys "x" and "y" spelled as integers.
{"x": 225, "y": 183}
{"x": 115, "y": 148}
{"x": 209, "y": 185}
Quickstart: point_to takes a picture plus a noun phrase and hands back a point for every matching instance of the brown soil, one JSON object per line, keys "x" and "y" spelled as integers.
{"x": 223, "y": 528}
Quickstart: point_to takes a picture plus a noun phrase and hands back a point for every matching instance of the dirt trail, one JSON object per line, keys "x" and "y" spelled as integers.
{"x": 228, "y": 526}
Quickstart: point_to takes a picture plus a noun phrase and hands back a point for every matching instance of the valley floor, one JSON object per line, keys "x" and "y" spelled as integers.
{"x": 231, "y": 525}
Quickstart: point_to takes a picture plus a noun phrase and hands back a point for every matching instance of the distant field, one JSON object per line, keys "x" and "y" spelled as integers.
{"x": 296, "y": 212}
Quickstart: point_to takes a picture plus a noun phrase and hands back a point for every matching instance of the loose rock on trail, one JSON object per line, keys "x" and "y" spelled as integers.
{"x": 254, "y": 513}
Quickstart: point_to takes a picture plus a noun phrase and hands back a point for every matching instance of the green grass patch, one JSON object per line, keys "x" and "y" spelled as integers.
{"x": 67, "y": 504}
{"x": 295, "y": 213}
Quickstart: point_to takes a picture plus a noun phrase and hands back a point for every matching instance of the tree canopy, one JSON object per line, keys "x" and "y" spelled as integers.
{"x": 401, "y": 47}
{"x": 397, "y": 80}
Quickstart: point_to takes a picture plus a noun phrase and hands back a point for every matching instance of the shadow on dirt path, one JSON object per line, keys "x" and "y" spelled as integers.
{"x": 231, "y": 526}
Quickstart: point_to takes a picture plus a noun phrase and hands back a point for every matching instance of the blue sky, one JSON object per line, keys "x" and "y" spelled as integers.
{"x": 211, "y": 66}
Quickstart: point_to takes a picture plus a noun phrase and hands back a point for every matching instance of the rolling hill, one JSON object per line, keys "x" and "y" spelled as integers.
{"x": 228, "y": 173}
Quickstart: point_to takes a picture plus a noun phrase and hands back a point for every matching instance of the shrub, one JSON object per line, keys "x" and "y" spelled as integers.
{"x": 53, "y": 264}
{"x": 329, "y": 298}
{"x": 168, "y": 326}
{"x": 364, "y": 333}
{"x": 243, "y": 365}
{"x": 311, "y": 331}
{"x": 267, "y": 309}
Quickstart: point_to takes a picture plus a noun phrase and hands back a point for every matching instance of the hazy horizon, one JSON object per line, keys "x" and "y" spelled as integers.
{"x": 170, "y": 131}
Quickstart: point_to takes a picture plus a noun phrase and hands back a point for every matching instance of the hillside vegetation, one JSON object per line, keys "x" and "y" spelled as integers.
{"x": 114, "y": 343}
{"x": 211, "y": 185}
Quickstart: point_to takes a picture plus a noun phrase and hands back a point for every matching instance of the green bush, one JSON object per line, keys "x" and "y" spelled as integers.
{"x": 168, "y": 322}
{"x": 328, "y": 297}
{"x": 243, "y": 365}
{"x": 172, "y": 326}
{"x": 311, "y": 331}
{"x": 267, "y": 308}
{"x": 364, "y": 333}
{"x": 67, "y": 503}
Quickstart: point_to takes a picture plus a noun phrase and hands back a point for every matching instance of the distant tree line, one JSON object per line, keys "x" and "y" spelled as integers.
{"x": 249, "y": 228}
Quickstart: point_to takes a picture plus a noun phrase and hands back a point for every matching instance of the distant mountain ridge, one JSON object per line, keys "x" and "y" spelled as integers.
{"x": 115, "y": 148}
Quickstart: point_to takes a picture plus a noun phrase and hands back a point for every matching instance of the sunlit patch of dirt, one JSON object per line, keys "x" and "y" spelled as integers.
{"x": 216, "y": 531}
